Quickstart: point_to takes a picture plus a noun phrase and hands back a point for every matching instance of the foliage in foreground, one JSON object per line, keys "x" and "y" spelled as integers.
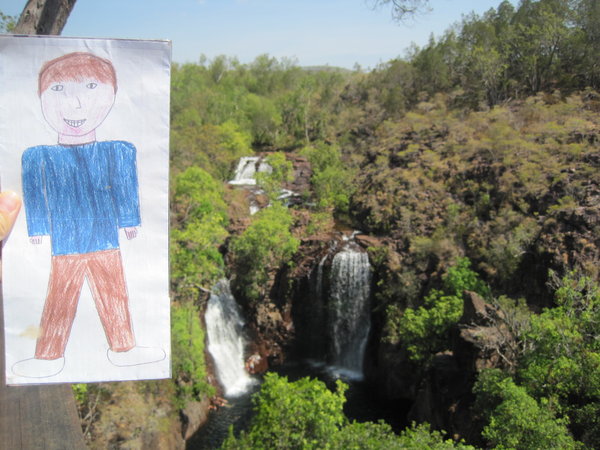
{"x": 550, "y": 396}
{"x": 515, "y": 419}
{"x": 304, "y": 414}
{"x": 188, "y": 361}
{"x": 562, "y": 360}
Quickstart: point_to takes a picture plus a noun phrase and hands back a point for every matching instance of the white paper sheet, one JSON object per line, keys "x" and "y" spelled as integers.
{"x": 139, "y": 117}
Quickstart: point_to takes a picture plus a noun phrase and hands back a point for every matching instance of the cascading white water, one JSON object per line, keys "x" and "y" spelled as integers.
{"x": 225, "y": 340}
{"x": 247, "y": 168}
{"x": 349, "y": 312}
{"x": 319, "y": 287}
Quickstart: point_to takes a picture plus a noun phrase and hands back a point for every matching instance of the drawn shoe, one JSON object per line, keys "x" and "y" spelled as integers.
{"x": 136, "y": 356}
{"x": 38, "y": 368}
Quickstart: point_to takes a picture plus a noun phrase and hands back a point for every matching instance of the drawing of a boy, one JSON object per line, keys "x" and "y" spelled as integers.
{"x": 80, "y": 192}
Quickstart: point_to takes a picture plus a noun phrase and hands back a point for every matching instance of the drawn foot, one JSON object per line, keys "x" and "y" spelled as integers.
{"x": 38, "y": 368}
{"x": 136, "y": 356}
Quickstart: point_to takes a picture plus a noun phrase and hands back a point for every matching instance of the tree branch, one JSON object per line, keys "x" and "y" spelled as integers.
{"x": 403, "y": 9}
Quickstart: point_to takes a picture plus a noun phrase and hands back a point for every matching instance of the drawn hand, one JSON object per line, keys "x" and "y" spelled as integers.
{"x": 10, "y": 205}
{"x": 131, "y": 232}
{"x": 35, "y": 240}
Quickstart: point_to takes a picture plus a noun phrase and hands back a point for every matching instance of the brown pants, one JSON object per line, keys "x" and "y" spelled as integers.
{"x": 104, "y": 272}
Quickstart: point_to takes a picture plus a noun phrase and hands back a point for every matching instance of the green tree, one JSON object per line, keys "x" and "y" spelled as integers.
{"x": 233, "y": 144}
{"x": 586, "y": 43}
{"x": 264, "y": 119}
{"x": 189, "y": 367}
{"x": 331, "y": 178}
{"x": 273, "y": 181}
{"x": 460, "y": 277}
{"x": 562, "y": 361}
{"x": 266, "y": 243}
{"x": 303, "y": 414}
{"x": 424, "y": 331}
{"x": 7, "y": 23}
{"x": 379, "y": 436}
{"x": 199, "y": 220}
{"x": 540, "y": 32}
{"x": 515, "y": 419}
{"x": 483, "y": 61}
{"x": 431, "y": 65}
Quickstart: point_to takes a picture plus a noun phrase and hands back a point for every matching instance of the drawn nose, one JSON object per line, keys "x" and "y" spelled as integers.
{"x": 77, "y": 102}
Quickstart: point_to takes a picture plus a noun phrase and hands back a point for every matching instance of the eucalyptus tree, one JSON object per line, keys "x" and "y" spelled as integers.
{"x": 44, "y": 17}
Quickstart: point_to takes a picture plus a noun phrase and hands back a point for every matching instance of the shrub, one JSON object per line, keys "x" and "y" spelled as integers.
{"x": 515, "y": 419}
{"x": 424, "y": 331}
{"x": 272, "y": 182}
{"x": 331, "y": 179}
{"x": 300, "y": 414}
{"x": 266, "y": 243}
{"x": 562, "y": 361}
{"x": 189, "y": 368}
{"x": 304, "y": 414}
{"x": 200, "y": 217}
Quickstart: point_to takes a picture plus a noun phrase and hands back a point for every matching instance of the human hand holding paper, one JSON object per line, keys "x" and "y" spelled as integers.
{"x": 10, "y": 205}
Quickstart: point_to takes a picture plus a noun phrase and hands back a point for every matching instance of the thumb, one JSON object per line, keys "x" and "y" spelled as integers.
{"x": 10, "y": 205}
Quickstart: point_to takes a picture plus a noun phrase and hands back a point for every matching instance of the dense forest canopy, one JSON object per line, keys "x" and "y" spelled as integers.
{"x": 474, "y": 159}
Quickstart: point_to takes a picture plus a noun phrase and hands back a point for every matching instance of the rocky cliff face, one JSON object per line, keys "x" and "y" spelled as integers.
{"x": 270, "y": 324}
{"x": 427, "y": 197}
{"x": 441, "y": 393}
{"x": 132, "y": 415}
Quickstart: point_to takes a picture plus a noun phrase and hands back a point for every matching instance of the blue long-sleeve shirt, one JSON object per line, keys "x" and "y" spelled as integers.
{"x": 81, "y": 195}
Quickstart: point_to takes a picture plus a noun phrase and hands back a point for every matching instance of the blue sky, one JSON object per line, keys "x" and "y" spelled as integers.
{"x": 312, "y": 32}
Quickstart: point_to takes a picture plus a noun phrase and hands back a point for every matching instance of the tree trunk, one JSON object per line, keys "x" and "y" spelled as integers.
{"x": 44, "y": 16}
{"x": 38, "y": 416}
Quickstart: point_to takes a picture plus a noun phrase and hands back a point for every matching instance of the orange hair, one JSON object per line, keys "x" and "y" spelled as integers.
{"x": 75, "y": 67}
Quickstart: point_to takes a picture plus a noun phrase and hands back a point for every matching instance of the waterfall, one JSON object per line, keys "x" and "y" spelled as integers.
{"x": 225, "y": 340}
{"x": 319, "y": 287}
{"x": 247, "y": 168}
{"x": 349, "y": 312}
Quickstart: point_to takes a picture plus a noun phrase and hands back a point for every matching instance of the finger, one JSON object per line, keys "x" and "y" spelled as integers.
{"x": 10, "y": 205}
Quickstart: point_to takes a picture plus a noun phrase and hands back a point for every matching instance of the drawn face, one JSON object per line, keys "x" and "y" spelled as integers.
{"x": 76, "y": 108}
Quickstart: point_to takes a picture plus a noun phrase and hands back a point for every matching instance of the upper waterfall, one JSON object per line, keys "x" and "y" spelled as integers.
{"x": 247, "y": 168}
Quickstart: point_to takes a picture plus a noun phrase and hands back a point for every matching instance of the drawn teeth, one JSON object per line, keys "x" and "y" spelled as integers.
{"x": 74, "y": 123}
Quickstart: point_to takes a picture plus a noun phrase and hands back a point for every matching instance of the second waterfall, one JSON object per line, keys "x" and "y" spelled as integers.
{"x": 349, "y": 310}
{"x": 332, "y": 312}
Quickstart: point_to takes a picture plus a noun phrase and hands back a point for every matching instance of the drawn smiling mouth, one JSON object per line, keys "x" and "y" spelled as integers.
{"x": 74, "y": 123}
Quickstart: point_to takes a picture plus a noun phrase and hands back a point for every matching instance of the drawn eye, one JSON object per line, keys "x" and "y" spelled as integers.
{"x": 57, "y": 87}
{"x": 91, "y": 85}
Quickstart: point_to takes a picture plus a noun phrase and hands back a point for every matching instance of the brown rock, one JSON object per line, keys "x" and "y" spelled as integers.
{"x": 364, "y": 240}
{"x": 475, "y": 309}
{"x": 193, "y": 416}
